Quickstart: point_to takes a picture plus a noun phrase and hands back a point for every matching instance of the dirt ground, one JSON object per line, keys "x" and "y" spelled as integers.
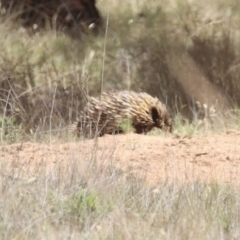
{"x": 156, "y": 159}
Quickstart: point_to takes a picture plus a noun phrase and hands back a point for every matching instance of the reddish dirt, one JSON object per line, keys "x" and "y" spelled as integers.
{"x": 156, "y": 159}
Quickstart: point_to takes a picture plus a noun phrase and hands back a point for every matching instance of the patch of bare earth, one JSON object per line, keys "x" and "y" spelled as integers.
{"x": 156, "y": 159}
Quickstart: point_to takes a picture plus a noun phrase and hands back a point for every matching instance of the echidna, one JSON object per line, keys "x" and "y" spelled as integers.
{"x": 106, "y": 114}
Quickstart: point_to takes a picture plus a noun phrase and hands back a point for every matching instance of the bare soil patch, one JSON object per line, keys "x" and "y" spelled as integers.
{"x": 155, "y": 159}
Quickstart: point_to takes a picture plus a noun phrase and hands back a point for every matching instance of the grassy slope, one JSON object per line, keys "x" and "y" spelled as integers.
{"x": 169, "y": 49}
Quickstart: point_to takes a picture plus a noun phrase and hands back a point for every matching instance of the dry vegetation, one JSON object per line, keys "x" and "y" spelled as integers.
{"x": 184, "y": 52}
{"x": 87, "y": 202}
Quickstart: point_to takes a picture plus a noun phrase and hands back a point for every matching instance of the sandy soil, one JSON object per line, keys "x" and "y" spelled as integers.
{"x": 156, "y": 159}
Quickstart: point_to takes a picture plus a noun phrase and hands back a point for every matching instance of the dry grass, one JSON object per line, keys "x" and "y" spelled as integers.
{"x": 183, "y": 53}
{"x": 89, "y": 201}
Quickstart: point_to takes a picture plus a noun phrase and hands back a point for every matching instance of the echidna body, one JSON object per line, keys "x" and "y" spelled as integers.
{"x": 106, "y": 114}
